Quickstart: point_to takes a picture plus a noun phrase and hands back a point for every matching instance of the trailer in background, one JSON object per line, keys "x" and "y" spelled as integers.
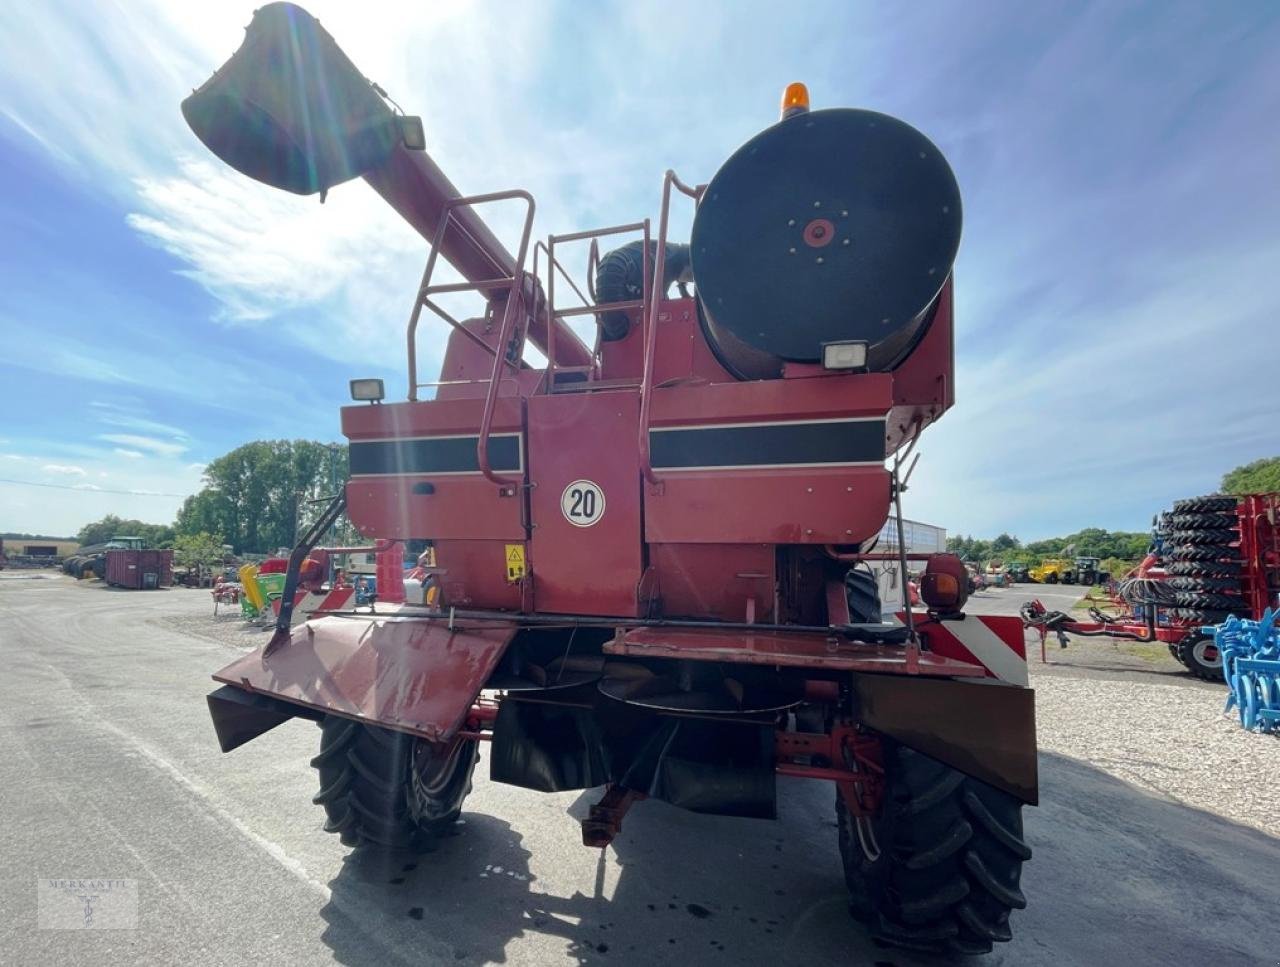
{"x": 140, "y": 570}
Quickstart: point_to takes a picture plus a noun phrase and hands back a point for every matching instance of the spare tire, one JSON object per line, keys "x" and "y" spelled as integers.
{"x": 1217, "y": 584}
{"x": 1211, "y": 552}
{"x": 1200, "y": 505}
{"x": 1205, "y": 617}
{"x": 1223, "y": 569}
{"x": 1211, "y": 535}
{"x": 1206, "y": 600}
{"x": 1201, "y": 521}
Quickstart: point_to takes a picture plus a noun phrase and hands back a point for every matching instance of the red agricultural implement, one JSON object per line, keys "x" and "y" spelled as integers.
{"x": 1213, "y": 557}
{"x": 649, "y": 552}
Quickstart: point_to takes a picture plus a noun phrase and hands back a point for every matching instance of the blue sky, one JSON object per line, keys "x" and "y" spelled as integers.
{"x": 1120, "y": 164}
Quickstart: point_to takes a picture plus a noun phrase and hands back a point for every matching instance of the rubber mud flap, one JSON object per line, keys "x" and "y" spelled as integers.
{"x": 722, "y": 769}
{"x": 546, "y": 747}
{"x": 984, "y": 729}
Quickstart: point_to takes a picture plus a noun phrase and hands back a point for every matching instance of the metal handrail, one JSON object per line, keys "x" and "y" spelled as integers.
{"x": 425, "y": 289}
{"x": 651, "y": 326}
{"x": 589, "y": 306}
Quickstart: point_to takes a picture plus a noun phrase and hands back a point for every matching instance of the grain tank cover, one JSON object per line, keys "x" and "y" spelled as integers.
{"x": 290, "y": 109}
{"x": 829, "y": 226}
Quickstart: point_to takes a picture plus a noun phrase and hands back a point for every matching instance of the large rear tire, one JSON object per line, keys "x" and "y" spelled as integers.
{"x": 389, "y": 789}
{"x": 939, "y": 868}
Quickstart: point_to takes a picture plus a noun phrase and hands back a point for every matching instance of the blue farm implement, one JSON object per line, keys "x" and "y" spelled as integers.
{"x": 1251, "y": 661}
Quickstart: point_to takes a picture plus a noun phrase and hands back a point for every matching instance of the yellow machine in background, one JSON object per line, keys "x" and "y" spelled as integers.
{"x": 1053, "y": 571}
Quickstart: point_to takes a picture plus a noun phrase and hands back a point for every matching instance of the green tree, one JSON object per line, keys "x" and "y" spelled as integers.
{"x": 197, "y": 550}
{"x": 257, "y": 496}
{"x": 1259, "y": 477}
{"x": 100, "y": 531}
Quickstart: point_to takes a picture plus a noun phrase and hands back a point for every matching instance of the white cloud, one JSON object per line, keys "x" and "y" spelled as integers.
{"x": 67, "y": 469}
{"x": 131, "y": 454}
{"x": 166, "y": 448}
{"x": 86, "y": 486}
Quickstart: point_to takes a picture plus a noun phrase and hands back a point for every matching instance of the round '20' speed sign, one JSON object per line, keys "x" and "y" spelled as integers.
{"x": 582, "y": 503}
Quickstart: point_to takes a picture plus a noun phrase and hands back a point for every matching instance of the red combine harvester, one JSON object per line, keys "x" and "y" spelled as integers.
{"x": 649, "y": 552}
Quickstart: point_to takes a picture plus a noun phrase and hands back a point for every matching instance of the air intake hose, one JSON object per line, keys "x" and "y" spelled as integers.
{"x": 620, "y": 278}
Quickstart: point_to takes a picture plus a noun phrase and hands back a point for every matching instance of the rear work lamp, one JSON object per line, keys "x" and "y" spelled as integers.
{"x": 369, "y": 390}
{"x": 844, "y": 355}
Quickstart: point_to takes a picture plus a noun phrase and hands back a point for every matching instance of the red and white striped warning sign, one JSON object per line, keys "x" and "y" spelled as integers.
{"x": 993, "y": 641}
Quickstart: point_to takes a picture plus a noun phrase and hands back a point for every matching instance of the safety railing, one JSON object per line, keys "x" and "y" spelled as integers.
{"x": 656, "y": 294}
{"x": 513, "y": 306}
{"x": 589, "y": 306}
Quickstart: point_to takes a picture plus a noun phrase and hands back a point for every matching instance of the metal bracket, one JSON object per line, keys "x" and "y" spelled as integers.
{"x": 604, "y": 821}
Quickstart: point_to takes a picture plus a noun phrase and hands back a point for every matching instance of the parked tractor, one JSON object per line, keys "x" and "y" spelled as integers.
{"x": 650, "y": 549}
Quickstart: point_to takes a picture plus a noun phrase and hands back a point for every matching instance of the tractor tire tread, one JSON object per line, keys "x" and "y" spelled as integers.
{"x": 1209, "y": 504}
{"x": 949, "y": 856}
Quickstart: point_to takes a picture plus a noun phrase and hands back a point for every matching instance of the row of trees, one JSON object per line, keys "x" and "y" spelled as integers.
{"x": 1090, "y": 542}
{"x": 1261, "y": 476}
{"x": 254, "y": 499}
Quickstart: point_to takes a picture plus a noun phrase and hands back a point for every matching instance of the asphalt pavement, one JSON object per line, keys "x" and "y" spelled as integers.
{"x": 109, "y": 769}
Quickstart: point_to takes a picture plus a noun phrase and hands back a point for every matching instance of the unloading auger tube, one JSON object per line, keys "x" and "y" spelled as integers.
{"x": 648, "y": 567}
{"x": 291, "y": 110}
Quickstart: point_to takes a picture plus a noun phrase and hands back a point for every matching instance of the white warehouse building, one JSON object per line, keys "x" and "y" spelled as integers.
{"x": 919, "y": 538}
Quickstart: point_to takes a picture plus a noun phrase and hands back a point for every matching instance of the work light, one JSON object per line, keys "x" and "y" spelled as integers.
{"x": 367, "y": 389}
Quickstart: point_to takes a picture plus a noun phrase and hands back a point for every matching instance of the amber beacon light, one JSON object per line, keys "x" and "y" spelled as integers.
{"x": 795, "y": 100}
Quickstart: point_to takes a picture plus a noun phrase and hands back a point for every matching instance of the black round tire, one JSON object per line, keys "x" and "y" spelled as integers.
{"x": 1196, "y": 552}
{"x": 1212, "y": 504}
{"x": 1202, "y": 616}
{"x": 1208, "y": 569}
{"x": 1219, "y": 585}
{"x": 1201, "y": 657}
{"x": 863, "y": 594}
{"x": 1179, "y": 522}
{"x": 1212, "y": 535}
{"x": 1207, "y": 601}
{"x": 389, "y": 789}
{"x": 939, "y": 868}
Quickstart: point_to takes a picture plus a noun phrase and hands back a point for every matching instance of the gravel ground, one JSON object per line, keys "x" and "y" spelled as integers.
{"x": 192, "y": 614}
{"x": 1168, "y": 739}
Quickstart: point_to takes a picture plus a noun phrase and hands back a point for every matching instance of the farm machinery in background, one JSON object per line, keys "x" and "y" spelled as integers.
{"x": 1211, "y": 558}
{"x": 650, "y": 552}
{"x": 1080, "y": 570}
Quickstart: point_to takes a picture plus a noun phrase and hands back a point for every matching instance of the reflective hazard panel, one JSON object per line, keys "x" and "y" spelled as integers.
{"x": 515, "y": 563}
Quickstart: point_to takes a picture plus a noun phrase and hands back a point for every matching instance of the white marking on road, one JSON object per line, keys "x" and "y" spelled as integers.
{"x": 271, "y": 848}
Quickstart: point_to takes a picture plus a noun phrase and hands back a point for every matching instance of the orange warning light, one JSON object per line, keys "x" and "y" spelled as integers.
{"x": 795, "y": 100}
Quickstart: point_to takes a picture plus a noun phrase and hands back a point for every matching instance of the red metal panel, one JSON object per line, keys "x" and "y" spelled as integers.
{"x": 799, "y": 506}
{"x": 460, "y": 507}
{"x": 473, "y": 574}
{"x": 417, "y": 676}
{"x": 714, "y": 581}
{"x": 429, "y": 418}
{"x": 780, "y": 648}
{"x": 592, "y": 569}
{"x": 867, "y": 394}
